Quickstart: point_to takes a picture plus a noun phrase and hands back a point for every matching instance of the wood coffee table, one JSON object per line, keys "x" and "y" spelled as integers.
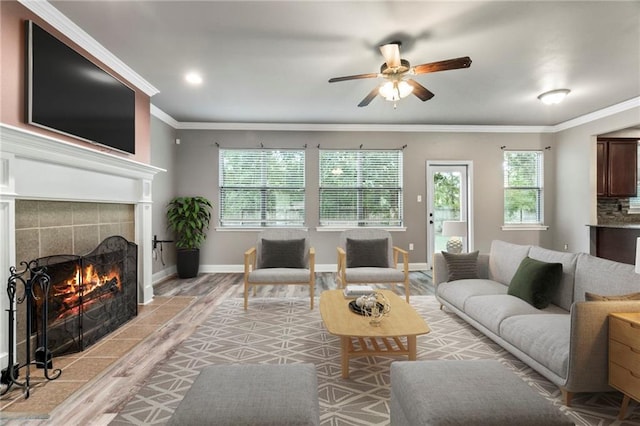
{"x": 396, "y": 335}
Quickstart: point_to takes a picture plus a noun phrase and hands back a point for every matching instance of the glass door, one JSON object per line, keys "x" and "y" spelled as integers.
{"x": 448, "y": 199}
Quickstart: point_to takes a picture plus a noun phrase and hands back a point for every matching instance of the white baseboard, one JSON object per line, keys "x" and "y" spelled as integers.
{"x": 322, "y": 267}
{"x": 163, "y": 275}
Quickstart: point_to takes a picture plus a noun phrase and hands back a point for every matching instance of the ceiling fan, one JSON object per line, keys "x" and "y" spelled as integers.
{"x": 394, "y": 70}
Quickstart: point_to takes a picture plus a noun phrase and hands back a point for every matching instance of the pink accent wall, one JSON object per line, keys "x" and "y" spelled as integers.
{"x": 12, "y": 80}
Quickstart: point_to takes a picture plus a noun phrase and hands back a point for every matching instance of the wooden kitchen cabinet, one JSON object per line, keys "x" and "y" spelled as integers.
{"x": 617, "y": 167}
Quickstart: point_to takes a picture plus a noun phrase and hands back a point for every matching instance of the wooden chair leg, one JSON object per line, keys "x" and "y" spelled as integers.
{"x": 246, "y": 295}
{"x": 623, "y": 408}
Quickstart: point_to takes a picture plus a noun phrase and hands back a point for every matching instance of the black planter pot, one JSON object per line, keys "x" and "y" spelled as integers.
{"x": 188, "y": 262}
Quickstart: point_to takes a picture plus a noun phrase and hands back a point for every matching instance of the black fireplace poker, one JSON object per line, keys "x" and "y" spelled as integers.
{"x": 32, "y": 277}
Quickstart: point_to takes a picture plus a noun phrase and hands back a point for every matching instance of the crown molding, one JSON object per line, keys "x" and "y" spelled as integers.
{"x": 329, "y": 127}
{"x": 60, "y": 22}
{"x": 596, "y": 115}
{"x": 163, "y": 116}
{"x": 418, "y": 128}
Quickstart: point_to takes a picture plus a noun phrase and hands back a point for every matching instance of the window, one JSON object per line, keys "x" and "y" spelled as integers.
{"x": 261, "y": 187}
{"x": 361, "y": 188}
{"x": 523, "y": 177}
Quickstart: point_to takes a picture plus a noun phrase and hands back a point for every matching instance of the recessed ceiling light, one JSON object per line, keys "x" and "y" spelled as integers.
{"x": 554, "y": 96}
{"x": 193, "y": 78}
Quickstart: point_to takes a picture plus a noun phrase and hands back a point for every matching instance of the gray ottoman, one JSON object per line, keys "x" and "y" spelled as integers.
{"x": 478, "y": 393}
{"x": 251, "y": 395}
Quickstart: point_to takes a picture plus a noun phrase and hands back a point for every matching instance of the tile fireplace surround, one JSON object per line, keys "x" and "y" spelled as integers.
{"x": 40, "y": 168}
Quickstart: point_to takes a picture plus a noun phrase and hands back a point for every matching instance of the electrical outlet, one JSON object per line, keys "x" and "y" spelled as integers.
{"x": 566, "y": 247}
{"x": 419, "y": 198}
{"x": 410, "y": 246}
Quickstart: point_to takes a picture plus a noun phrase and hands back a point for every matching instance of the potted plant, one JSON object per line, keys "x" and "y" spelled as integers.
{"x": 189, "y": 218}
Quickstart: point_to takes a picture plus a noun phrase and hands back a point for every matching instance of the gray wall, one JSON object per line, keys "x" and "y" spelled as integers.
{"x": 576, "y": 201}
{"x": 197, "y": 174}
{"x": 164, "y": 155}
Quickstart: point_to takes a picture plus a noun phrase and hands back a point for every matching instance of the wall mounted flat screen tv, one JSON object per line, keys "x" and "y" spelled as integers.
{"x": 69, "y": 94}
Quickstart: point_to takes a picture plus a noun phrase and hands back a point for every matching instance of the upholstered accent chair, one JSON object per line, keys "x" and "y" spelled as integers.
{"x": 368, "y": 256}
{"x": 280, "y": 257}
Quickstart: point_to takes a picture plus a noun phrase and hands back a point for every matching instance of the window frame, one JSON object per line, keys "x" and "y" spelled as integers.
{"x": 266, "y": 191}
{"x": 525, "y": 225}
{"x": 361, "y": 193}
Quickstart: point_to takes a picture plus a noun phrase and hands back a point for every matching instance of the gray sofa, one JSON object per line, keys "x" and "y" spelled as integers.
{"x": 567, "y": 341}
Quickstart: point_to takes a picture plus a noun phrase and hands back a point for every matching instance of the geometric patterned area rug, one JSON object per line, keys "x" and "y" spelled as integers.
{"x": 286, "y": 331}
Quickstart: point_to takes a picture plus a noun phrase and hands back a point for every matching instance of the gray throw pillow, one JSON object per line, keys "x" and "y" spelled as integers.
{"x": 363, "y": 253}
{"x": 461, "y": 266}
{"x": 535, "y": 282}
{"x": 282, "y": 254}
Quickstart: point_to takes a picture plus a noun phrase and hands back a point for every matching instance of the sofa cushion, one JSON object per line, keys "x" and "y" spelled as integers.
{"x": 461, "y": 266}
{"x": 563, "y": 297}
{"x": 491, "y": 310}
{"x": 282, "y": 253}
{"x": 535, "y": 282}
{"x": 370, "y": 252}
{"x": 458, "y": 292}
{"x": 504, "y": 259}
{"x": 279, "y": 275}
{"x": 597, "y": 275}
{"x": 374, "y": 275}
{"x": 544, "y": 338}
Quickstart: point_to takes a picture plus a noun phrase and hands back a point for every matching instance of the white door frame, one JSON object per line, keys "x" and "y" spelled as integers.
{"x": 468, "y": 165}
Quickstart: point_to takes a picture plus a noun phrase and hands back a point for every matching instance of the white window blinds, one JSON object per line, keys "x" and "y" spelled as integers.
{"x": 361, "y": 188}
{"x": 262, "y": 187}
{"x": 523, "y": 184}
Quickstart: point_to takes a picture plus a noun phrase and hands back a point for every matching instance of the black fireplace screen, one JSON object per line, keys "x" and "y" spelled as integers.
{"x": 90, "y": 296}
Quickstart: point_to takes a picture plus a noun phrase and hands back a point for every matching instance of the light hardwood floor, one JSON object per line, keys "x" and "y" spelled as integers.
{"x": 99, "y": 401}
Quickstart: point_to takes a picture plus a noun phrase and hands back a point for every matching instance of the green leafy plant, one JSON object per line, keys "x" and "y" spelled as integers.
{"x": 189, "y": 218}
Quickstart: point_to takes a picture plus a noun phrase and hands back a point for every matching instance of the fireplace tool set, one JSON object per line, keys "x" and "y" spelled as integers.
{"x": 35, "y": 284}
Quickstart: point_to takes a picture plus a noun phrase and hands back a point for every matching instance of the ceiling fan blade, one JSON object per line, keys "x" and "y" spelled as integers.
{"x": 367, "y": 99}
{"x": 420, "y": 91}
{"x": 391, "y": 53}
{"x": 353, "y": 77}
{"x": 449, "y": 64}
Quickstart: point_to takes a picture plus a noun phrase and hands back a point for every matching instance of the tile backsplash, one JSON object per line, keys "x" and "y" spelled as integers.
{"x": 615, "y": 211}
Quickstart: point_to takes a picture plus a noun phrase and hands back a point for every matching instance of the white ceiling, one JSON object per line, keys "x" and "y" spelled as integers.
{"x": 269, "y": 62}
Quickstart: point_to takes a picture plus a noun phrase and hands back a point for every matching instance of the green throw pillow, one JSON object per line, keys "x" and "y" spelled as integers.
{"x": 461, "y": 266}
{"x": 535, "y": 282}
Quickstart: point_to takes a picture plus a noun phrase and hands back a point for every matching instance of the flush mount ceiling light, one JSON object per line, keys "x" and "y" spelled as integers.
{"x": 554, "y": 96}
{"x": 193, "y": 78}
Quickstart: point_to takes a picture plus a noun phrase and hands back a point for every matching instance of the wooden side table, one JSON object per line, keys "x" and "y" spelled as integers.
{"x": 624, "y": 356}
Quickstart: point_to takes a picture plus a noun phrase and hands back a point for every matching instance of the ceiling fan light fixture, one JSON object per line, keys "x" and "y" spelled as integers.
{"x": 395, "y": 90}
{"x": 554, "y": 96}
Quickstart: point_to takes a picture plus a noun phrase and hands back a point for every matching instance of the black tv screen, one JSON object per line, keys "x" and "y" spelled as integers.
{"x": 69, "y": 94}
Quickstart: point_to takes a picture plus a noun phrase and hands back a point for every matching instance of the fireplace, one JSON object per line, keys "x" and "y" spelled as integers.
{"x": 68, "y": 173}
{"x": 89, "y": 296}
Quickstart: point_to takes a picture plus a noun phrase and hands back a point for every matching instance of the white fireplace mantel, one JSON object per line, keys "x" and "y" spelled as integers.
{"x": 38, "y": 167}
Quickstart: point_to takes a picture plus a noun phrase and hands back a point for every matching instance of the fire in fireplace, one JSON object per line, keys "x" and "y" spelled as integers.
{"x": 90, "y": 296}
